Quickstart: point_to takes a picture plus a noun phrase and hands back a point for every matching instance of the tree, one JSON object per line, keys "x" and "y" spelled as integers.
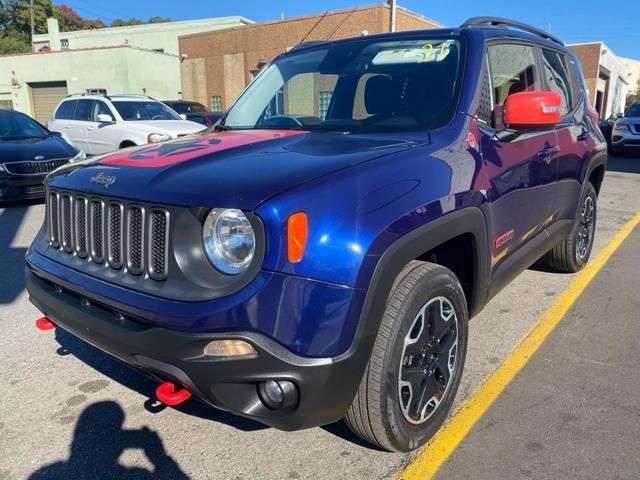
{"x": 633, "y": 96}
{"x": 15, "y": 23}
{"x": 119, "y": 22}
{"x": 156, "y": 19}
{"x": 70, "y": 20}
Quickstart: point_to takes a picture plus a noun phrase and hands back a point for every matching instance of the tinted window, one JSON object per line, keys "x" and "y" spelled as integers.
{"x": 16, "y": 126}
{"x": 83, "y": 110}
{"x": 65, "y": 110}
{"x": 144, "y": 110}
{"x": 100, "y": 108}
{"x": 634, "y": 110}
{"x": 196, "y": 107}
{"x": 198, "y": 119}
{"x": 555, "y": 71}
{"x": 369, "y": 85}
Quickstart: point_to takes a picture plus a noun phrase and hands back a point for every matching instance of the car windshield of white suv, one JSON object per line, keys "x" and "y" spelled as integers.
{"x": 144, "y": 110}
{"x": 366, "y": 85}
{"x": 15, "y": 126}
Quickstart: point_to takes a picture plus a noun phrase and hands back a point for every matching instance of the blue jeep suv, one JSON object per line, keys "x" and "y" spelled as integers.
{"x": 319, "y": 254}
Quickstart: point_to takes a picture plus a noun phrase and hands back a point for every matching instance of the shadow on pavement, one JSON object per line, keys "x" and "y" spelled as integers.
{"x": 98, "y": 442}
{"x": 630, "y": 163}
{"x": 11, "y": 258}
{"x": 117, "y": 371}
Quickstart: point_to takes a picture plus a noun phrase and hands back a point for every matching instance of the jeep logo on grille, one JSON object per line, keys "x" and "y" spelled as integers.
{"x": 102, "y": 179}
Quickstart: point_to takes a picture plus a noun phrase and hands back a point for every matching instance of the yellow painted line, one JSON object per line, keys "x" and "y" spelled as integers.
{"x": 434, "y": 453}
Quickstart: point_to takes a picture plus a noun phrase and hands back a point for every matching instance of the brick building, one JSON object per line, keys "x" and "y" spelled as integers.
{"x": 216, "y": 66}
{"x": 606, "y": 76}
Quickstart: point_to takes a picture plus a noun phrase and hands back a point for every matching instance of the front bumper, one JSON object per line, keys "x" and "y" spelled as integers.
{"x": 625, "y": 140}
{"x": 14, "y": 187}
{"x": 325, "y": 386}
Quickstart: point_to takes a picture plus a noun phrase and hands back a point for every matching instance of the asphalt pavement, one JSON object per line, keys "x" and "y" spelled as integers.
{"x": 70, "y": 411}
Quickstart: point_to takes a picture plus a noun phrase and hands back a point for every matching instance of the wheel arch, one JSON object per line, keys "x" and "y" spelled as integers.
{"x": 126, "y": 144}
{"x": 414, "y": 245}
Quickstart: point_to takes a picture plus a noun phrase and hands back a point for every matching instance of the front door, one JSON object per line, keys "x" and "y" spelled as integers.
{"x": 101, "y": 136}
{"x": 519, "y": 165}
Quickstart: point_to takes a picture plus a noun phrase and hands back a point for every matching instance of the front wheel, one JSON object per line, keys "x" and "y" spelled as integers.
{"x": 417, "y": 360}
{"x": 573, "y": 254}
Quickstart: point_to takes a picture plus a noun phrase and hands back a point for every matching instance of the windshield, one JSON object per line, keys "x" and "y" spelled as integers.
{"x": 357, "y": 86}
{"x": 634, "y": 110}
{"x": 144, "y": 110}
{"x": 15, "y": 126}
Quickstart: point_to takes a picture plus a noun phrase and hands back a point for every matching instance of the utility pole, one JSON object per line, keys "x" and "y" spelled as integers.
{"x": 33, "y": 27}
{"x": 392, "y": 15}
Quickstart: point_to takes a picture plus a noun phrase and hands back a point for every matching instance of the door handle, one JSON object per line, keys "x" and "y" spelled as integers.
{"x": 67, "y": 127}
{"x": 548, "y": 151}
{"x": 584, "y": 136}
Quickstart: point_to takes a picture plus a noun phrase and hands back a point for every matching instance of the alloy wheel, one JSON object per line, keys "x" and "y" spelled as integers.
{"x": 585, "y": 229}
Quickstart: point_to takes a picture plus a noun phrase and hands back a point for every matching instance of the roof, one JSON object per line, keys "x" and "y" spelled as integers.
{"x": 72, "y": 50}
{"x": 41, "y": 37}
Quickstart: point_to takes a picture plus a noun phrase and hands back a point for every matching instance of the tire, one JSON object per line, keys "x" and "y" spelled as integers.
{"x": 385, "y": 409}
{"x": 573, "y": 254}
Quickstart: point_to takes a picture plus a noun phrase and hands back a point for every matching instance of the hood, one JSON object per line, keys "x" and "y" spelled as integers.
{"x": 48, "y": 148}
{"x": 175, "y": 127}
{"x": 238, "y": 169}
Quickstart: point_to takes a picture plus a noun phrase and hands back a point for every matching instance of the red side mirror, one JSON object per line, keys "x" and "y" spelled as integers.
{"x": 532, "y": 109}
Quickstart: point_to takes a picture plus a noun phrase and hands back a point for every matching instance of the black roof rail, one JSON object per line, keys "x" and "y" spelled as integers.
{"x": 503, "y": 22}
{"x": 307, "y": 43}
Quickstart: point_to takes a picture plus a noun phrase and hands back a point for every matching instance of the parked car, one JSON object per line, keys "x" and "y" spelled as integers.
{"x": 28, "y": 152}
{"x": 204, "y": 118}
{"x": 184, "y": 107}
{"x": 625, "y": 136}
{"x": 101, "y": 124}
{"x": 319, "y": 257}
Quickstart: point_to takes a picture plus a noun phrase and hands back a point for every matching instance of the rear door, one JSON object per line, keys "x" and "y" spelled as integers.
{"x": 574, "y": 135}
{"x": 61, "y": 118}
{"x": 519, "y": 165}
{"x": 76, "y": 129}
{"x": 101, "y": 137}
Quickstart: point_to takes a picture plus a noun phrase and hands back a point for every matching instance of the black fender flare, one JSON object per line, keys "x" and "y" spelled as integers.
{"x": 410, "y": 246}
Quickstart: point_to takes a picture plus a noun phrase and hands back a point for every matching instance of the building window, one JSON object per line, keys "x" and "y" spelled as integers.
{"x": 64, "y": 44}
{"x": 324, "y": 99}
{"x": 6, "y": 104}
{"x": 216, "y": 103}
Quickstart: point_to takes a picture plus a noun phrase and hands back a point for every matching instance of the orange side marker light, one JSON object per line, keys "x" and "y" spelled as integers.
{"x": 297, "y": 226}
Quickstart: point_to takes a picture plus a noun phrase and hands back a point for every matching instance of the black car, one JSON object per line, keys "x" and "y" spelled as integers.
{"x": 184, "y": 107}
{"x": 28, "y": 152}
{"x": 204, "y": 118}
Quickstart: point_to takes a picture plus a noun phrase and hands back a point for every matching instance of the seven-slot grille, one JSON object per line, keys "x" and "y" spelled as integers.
{"x": 125, "y": 236}
{"x": 34, "y": 168}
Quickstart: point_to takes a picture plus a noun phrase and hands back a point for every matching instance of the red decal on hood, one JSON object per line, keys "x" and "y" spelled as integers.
{"x": 168, "y": 153}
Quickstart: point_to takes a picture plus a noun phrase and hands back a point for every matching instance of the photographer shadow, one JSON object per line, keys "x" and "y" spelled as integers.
{"x": 98, "y": 442}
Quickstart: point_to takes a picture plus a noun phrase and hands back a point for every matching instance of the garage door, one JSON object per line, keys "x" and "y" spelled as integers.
{"x": 45, "y": 97}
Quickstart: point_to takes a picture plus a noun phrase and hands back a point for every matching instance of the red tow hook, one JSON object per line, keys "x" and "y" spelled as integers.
{"x": 167, "y": 394}
{"x": 43, "y": 323}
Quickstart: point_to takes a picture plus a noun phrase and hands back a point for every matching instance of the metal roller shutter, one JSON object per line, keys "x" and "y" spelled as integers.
{"x": 45, "y": 97}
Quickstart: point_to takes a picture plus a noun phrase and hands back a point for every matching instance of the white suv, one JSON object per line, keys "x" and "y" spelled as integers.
{"x": 99, "y": 124}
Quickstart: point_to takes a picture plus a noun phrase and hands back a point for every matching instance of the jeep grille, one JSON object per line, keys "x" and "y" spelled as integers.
{"x": 112, "y": 232}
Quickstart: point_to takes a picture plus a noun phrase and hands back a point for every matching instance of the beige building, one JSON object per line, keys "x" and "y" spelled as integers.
{"x": 634, "y": 73}
{"x": 606, "y": 76}
{"x": 218, "y": 65}
{"x": 142, "y": 59}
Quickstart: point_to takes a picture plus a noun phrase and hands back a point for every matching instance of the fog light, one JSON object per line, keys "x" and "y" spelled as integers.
{"x": 277, "y": 394}
{"x": 229, "y": 348}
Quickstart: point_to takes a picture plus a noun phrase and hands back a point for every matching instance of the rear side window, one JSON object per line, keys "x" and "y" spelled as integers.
{"x": 65, "y": 110}
{"x": 83, "y": 110}
{"x": 513, "y": 70}
{"x": 555, "y": 71}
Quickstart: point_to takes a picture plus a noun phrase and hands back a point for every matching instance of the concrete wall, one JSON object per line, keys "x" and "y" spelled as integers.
{"x": 633, "y": 66}
{"x": 116, "y": 69}
{"x": 151, "y": 36}
{"x": 223, "y": 52}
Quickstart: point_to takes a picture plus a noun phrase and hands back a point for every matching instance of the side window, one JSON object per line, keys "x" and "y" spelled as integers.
{"x": 100, "y": 108}
{"x": 513, "y": 70}
{"x": 65, "y": 110}
{"x": 555, "y": 71}
{"x": 83, "y": 110}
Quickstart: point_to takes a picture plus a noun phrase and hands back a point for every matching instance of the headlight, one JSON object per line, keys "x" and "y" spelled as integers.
{"x": 229, "y": 240}
{"x": 158, "y": 137}
{"x": 2, "y": 169}
{"x": 622, "y": 127}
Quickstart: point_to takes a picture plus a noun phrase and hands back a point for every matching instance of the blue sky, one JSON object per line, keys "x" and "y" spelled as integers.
{"x": 616, "y": 23}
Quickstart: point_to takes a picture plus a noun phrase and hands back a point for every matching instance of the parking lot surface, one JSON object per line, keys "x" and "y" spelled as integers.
{"x": 70, "y": 411}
